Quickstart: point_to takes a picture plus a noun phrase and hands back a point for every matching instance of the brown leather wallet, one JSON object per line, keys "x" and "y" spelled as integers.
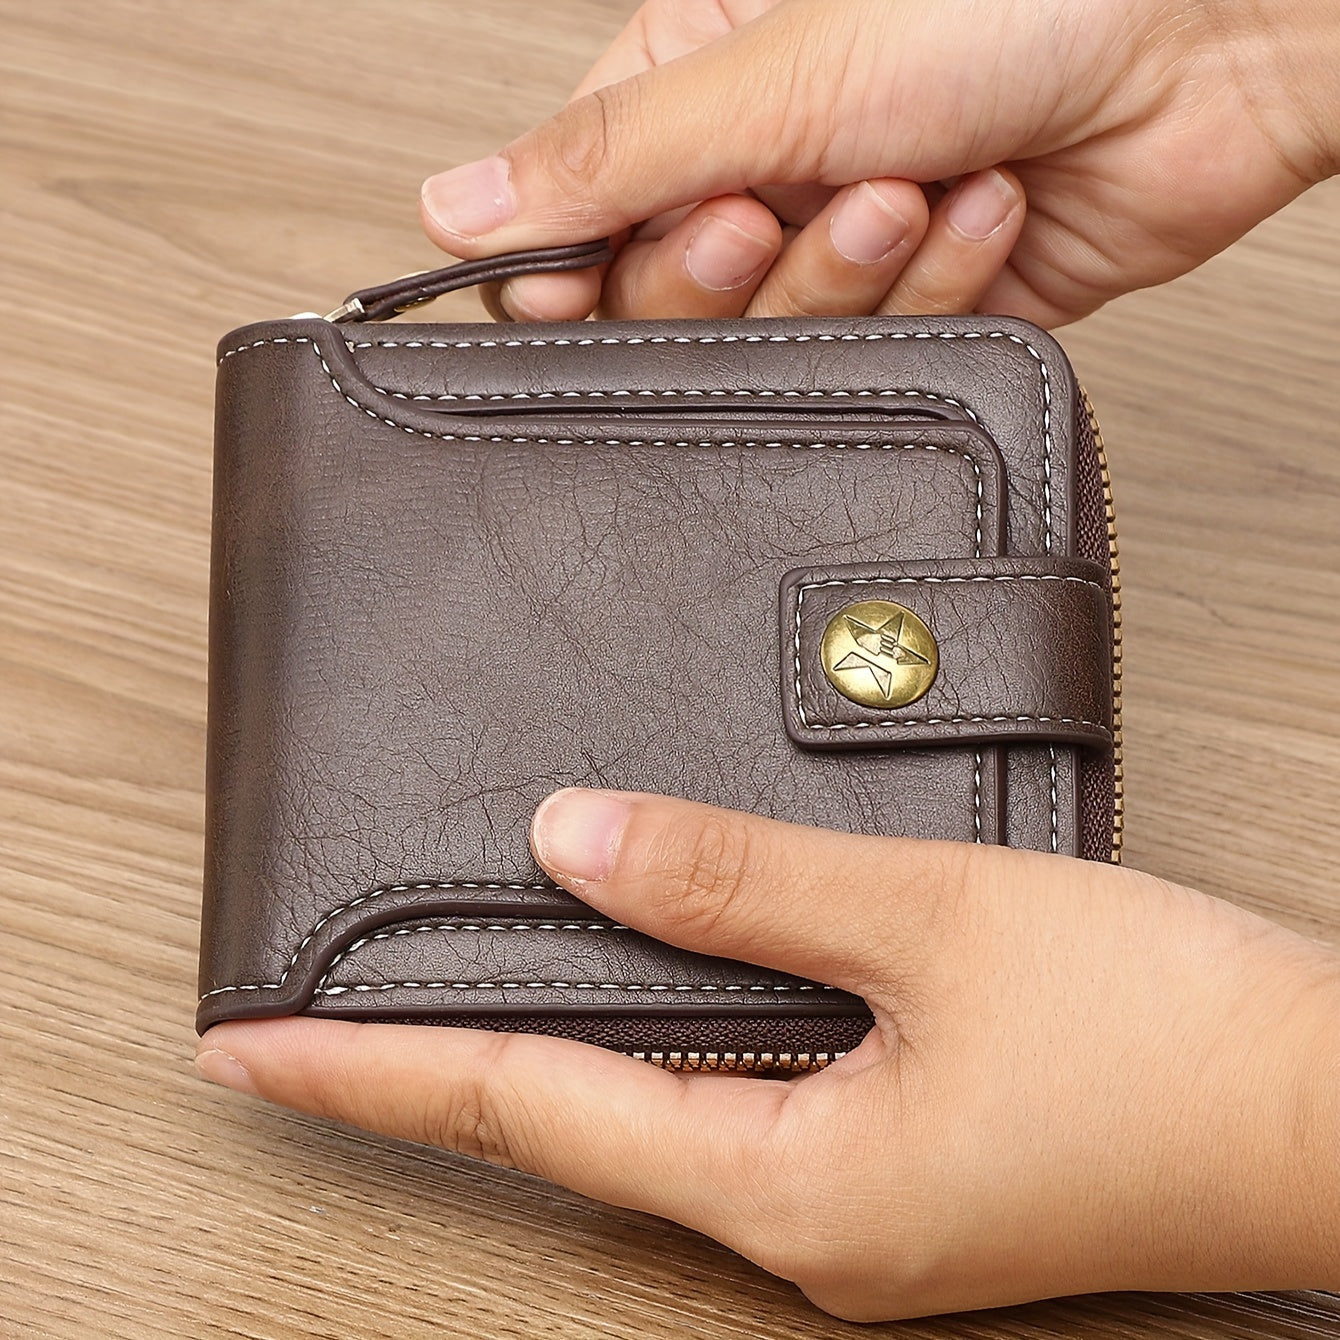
{"x": 855, "y": 573}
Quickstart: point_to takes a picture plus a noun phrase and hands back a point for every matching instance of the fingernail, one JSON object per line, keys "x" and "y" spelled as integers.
{"x": 980, "y": 204}
{"x": 220, "y": 1068}
{"x": 473, "y": 199}
{"x": 576, "y": 833}
{"x": 866, "y": 227}
{"x": 721, "y": 256}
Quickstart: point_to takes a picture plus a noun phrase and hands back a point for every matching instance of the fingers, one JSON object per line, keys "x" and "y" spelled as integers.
{"x": 657, "y": 33}
{"x": 969, "y": 239}
{"x": 854, "y": 912}
{"x": 601, "y": 1123}
{"x": 631, "y": 150}
{"x": 846, "y": 259}
{"x": 874, "y": 247}
{"x": 708, "y": 265}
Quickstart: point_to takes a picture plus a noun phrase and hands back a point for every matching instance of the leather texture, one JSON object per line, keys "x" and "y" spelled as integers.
{"x": 458, "y": 567}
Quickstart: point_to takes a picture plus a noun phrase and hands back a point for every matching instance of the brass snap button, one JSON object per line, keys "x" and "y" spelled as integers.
{"x": 879, "y": 654}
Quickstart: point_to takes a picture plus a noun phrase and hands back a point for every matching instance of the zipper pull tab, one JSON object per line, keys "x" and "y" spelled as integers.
{"x": 387, "y": 300}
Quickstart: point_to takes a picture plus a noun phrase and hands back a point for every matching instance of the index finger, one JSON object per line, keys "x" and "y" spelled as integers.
{"x": 604, "y": 1124}
{"x": 655, "y": 34}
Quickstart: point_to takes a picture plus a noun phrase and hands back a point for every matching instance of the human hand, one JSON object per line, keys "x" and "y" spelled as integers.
{"x": 869, "y": 246}
{"x": 1147, "y": 136}
{"x": 1079, "y": 1078}
{"x": 873, "y": 246}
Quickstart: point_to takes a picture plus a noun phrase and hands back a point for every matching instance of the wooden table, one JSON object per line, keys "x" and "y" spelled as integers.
{"x": 171, "y": 171}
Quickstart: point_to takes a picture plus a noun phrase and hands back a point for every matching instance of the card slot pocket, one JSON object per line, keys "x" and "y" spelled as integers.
{"x": 801, "y": 409}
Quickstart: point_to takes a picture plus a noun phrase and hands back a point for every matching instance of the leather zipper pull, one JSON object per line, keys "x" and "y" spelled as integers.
{"x": 384, "y": 301}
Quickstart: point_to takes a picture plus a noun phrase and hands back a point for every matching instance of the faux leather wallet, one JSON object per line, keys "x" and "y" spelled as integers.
{"x": 857, "y": 573}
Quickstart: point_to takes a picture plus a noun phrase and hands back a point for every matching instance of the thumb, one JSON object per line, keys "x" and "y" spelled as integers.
{"x": 860, "y": 913}
{"x": 713, "y": 122}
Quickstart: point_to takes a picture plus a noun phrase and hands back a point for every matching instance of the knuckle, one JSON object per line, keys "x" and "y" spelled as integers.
{"x": 929, "y": 290}
{"x": 584, "y": 139}
{"x": 794, "y": 294}
{"x": 908, "y": 1276}
{"x": 849, "y": 1300}
{"x": 695, "y": 24}
{"x": 813, "y": 1225}
{"x": 473, "y": 1118}
{"x": 705, "y": 869}
{"x": 836, "y": 1272}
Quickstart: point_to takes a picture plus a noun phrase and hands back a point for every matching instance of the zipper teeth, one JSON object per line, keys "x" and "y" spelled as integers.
{"x": 1114, "y": 561}
{"x": 791, "y": 1063}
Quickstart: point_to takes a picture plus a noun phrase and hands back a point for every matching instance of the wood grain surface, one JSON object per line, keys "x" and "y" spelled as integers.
{"x": 171, "y": 171}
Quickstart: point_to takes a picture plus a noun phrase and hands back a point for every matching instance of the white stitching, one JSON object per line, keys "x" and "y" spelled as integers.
{"x": 724, "y": 988}
{"x": 1056, "y": 845}
{"x": 635, "y": 441}
{"x": 467, "y": 928}
{"x": 923, "y": 581}
{"x": 688, "y": 393}
{"x": 952, "y": 581}
{"x": 323, "y": 989}
{"x": 850, "y": 337}
{"x": 963, "y": 721}
{"x": 977, "y": 796}
{"x": 779, "y": 444}
{"x": 1046, "y": 449}
{"x": 367, "y": 898}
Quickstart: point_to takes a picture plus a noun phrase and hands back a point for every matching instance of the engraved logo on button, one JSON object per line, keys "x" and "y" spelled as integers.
{"x": 879, "y": 654}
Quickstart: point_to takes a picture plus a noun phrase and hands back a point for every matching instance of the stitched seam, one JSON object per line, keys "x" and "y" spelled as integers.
{"x": 721, "y": 988}
{"x": 922, "y": 581}
{"x": 964, "y": 720}
{"x": 977, "y": 796}
{"x": 956, "y": 581}
{"x": 1055, "y": 835}
{"x": 688, "y": 393}
{"x": 809, "y": 445}
{"x": 359, "y": 902}
{"x": 850, "y": 337}
{"x": 323, "y": 988}
{"x": 468, "y": 928}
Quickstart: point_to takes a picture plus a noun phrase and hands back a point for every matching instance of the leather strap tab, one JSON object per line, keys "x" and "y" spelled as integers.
{"x": 383, "y": 301}
{"x": 1024, "y": 648}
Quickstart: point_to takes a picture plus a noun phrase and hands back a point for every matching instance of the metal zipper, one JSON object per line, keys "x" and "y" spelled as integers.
{"x": 1114, "y": 562}
{"x": 786, "y": 1063}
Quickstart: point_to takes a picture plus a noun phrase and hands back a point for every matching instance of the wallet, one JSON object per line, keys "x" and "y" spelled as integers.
{"x": 856, "y": 573}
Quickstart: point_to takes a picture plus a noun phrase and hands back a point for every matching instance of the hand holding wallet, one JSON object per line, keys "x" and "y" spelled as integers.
{"x": 855, "y": 573}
